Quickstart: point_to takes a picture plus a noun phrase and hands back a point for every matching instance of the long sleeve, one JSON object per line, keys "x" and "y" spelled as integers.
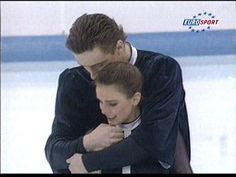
{"x": 157, "y": 133}
{"x": 164, "y": 95}
{"x": 114, "y": 156}
{"x": 70, "y": 123}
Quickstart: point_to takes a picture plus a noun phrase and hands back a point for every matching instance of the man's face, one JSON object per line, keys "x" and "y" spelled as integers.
{"x": 94, "y": 60}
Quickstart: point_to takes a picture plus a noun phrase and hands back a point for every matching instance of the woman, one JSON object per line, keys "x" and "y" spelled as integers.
{"x": 119, "y": 94}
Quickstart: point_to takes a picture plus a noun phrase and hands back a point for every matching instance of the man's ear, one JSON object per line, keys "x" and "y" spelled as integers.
{"x": 136, "y": 98}
{"x": 120, "y": 45}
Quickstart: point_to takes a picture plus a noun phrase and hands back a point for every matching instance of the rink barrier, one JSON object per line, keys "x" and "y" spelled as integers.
{"x": 52, "y": 48}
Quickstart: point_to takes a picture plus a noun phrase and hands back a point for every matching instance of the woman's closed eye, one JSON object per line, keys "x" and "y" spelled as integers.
{"x": 112, "y": 104}
{"x": 108, "y": 103}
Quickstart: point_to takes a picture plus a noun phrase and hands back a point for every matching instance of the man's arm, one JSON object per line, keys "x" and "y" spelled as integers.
{"x": 118, "y": 155}
{"x": 165, "y": 96}
{"x": 76, "y": 113}
{"x": 63, "y": 142}
{"x": 157, "y": 133}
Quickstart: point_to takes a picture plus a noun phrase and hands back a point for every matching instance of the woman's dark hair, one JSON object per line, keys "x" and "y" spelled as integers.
{"x": 125, "y": 76}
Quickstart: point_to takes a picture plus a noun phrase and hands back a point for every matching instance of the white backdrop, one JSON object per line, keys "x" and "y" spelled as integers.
{"x": 50, "y": 17}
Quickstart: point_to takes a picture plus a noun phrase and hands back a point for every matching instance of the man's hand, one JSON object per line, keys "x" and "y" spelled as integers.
{"x": 101, "y": 137}
{"x": 76, "y": 164}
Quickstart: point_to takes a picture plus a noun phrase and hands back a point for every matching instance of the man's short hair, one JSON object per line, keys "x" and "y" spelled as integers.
{"x": 94, "y": 30}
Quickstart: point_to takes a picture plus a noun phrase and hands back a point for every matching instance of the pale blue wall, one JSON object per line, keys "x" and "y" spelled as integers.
{"x": 36, "y": 31}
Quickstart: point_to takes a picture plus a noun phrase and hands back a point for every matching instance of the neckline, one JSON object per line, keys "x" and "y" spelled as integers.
{"x": 131, "y": 125}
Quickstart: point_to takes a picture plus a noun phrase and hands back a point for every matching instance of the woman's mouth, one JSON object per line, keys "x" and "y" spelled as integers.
{"x": 111, "y": 118}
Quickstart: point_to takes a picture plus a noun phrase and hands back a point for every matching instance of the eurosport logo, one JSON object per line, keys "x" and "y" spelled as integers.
{"x": 201, "y": 22}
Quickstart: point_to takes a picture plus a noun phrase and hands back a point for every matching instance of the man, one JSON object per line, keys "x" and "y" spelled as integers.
{"x": 79, "y": 127}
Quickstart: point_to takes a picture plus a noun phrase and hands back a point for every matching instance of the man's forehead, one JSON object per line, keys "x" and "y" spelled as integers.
{"x": 90, "y": 58}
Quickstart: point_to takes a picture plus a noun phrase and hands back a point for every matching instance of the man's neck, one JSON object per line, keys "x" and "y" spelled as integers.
{"x": 128, "y": 52}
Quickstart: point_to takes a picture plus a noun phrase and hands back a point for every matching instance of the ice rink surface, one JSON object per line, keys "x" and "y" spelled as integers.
{"x": 28, "y": 92}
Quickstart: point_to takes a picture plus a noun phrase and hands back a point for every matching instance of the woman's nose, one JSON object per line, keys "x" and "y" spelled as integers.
{"x": 105, "y": 110}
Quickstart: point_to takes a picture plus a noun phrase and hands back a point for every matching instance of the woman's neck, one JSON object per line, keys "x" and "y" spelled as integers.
{"x": 134, "y": 115}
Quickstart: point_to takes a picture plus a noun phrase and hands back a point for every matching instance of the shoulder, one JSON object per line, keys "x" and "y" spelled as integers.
{"x": 159, "y": 63}
{"x": 74, "y": 77}
{"x": 78, "y": 73}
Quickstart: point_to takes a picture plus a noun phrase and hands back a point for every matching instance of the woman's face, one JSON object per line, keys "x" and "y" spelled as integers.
{"x": 115, "y": 105}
